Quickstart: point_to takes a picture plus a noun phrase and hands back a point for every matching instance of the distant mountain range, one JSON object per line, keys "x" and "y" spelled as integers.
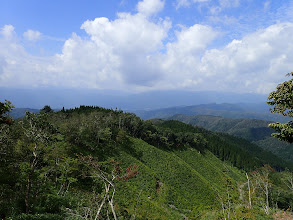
{"x": 20, "y": 112}
{"x": 226, "y": 110}
{"x": 68, "y": 98}
{"x": 246, "y": 120}
{"x": 240, "y": 110}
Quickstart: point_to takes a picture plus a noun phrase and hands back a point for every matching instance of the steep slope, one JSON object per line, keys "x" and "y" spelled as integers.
{"x": 253, "y": 130}
{"x": 183, "y": 181}
{"x": 239, "y": 151}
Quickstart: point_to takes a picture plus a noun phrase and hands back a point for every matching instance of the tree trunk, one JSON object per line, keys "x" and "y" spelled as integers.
{"x": 249, "y": 195}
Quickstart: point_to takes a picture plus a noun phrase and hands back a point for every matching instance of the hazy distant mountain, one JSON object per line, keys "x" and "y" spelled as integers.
{"x": 242, "y": 110}
{"x": 57, "y": 98}
{"x": 20, "y": 112}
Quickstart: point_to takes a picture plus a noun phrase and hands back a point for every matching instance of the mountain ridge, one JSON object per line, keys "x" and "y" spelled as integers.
{"x": 227, "y": 110}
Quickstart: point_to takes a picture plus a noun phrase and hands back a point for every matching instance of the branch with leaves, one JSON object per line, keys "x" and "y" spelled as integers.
{"x": 5, "y": 108}
{"x": 282, "y": 102}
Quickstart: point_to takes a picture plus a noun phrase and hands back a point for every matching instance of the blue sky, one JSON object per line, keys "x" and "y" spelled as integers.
{"x": 196, "y": 45}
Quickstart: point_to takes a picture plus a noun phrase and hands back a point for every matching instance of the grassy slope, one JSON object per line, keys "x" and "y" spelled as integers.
{"x": 189, "y": 182}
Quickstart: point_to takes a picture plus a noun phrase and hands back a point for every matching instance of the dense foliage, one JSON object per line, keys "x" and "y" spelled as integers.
{"x": 237, "y": 151}
{"x": 5, "y": 108}
{"x": 91, "y": 162}
{"x": 282, "y": 102}
{"x": 253, "y": 130}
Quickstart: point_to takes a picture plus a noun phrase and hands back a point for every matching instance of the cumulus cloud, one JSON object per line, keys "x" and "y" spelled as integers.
{"x": 134, "y": 52}
{"x": 150, "y": 7}
{"x": 181, "y": 62}
{"x": 119, "y": 52}
{"x": 32, "y": 35}
{"x": 17, "y": 67}
{"x": 253, "y": 64}
{"x": 7, "y": 32}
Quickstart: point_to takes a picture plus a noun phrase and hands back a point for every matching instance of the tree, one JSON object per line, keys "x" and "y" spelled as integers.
{"x": 39, "y": 136}
{"x": 5, "y": 107}
{"x": 282, "y": 102}
{"x": 46, "y": 109}
{"x": 263, "y": 185}
{"x": 98, "y": 170}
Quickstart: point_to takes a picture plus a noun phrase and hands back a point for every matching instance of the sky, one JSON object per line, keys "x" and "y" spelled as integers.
{"x": 242, "y": 46}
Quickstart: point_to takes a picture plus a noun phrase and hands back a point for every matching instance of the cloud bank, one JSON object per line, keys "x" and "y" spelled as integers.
{"x": 135, "y": 52}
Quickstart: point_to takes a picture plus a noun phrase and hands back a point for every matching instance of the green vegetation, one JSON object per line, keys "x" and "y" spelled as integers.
{"x": 95, "y": 163}
{"x": 46, "y": 109}
{"x": 5, "y": 108}
{"x": 282, "y": 103}
{"x": 253, "y": 130}
{"x": 237, "y": 151}
{"x": 249, "y": 129}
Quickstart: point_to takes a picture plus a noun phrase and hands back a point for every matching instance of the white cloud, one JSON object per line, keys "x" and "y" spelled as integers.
{"x": 7, "y": 32}
{"x": 118, "y": 53}
{"x": 186, "y": 3}
{"x": 17, "y": 67}
{"x": 185, "y": 52}
{"x": 150, "y": 7}
{"x": 222, "y": 5}
{"x": 255, "y": 63}
{"x": 32, "y": 35}
{"x": 133, "y": 52}
{"x": 181, "y": 62}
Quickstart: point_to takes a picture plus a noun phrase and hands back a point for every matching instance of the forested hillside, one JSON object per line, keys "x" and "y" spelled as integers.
{"x": 95, "y": 163}
{"x": 253, "y": 130}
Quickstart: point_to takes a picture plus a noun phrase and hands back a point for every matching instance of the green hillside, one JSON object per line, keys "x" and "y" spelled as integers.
{"x": 90, "y": 162}
{"x": 253, "y": 130}
{"x": 250, "y": 129}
